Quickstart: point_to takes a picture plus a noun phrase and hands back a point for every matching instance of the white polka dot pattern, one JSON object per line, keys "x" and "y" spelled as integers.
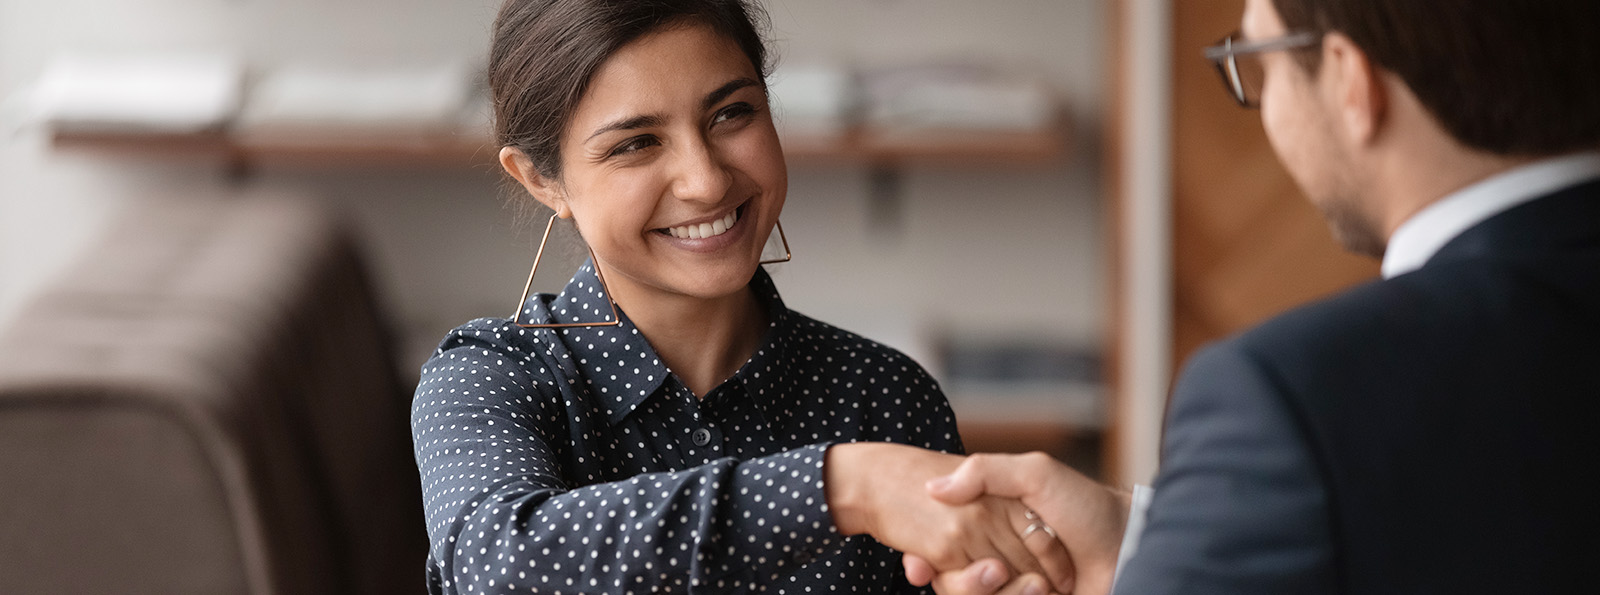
{"x": 573, "y": 461}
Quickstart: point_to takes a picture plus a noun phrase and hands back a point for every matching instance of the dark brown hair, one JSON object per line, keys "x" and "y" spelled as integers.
{"x": 1512, "y": 77}
{"x": 544, "y": 53}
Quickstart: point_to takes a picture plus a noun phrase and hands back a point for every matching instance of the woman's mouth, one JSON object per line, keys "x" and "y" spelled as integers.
{"x": 705, "y": 230}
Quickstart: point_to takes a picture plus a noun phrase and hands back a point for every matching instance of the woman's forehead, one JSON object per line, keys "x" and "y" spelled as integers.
{"x": 664, "y": 68}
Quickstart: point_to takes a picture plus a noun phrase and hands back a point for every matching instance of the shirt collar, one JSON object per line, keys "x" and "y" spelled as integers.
{"x": 615, "y": 363}
{"x": 621, "y": 369}
{"x": 769, "y": 369}
{"x": 1421, "y": 236}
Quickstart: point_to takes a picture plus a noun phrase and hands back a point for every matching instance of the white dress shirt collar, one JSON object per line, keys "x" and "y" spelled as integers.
{"x": 1421, "y": 236}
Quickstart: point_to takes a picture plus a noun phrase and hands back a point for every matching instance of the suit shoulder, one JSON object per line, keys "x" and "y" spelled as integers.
{"x": 1422, "y": 306}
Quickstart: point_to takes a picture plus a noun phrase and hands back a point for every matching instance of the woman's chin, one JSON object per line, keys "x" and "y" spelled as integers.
{"x": 718, "y": 281}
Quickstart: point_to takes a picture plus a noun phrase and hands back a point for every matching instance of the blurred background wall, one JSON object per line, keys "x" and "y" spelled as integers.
{"x": 1027, "y": 241}
{"x": 1180, "y": 227}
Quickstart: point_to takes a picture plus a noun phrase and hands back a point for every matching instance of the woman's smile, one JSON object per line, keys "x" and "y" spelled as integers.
{"x": 706, "y": 234}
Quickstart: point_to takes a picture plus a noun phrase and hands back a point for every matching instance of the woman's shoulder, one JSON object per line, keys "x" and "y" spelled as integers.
{"x": 498, "y": 346}
{"x": 494, "y": 334}
{"x": 865, "y": 356}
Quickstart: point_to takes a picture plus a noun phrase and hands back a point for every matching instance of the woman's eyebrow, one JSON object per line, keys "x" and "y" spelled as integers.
{"x": 649, "y": 120}
{"x": 632, "y": 123}
{"x": 715, "y": 97}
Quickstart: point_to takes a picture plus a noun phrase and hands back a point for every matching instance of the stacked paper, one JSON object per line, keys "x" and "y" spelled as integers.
{"x": 814, "y": 101}
{"x": 957, "y": 97}
{"x": 149, "y": 94}
{"x": 308, "y": 106}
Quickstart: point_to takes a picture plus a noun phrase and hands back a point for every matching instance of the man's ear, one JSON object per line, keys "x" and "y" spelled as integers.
{"x": 545, "y": 190}
{"x": 1354, "y": 87}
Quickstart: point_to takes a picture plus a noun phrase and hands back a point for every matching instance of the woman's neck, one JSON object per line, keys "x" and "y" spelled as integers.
{"x": 702, "y": 340}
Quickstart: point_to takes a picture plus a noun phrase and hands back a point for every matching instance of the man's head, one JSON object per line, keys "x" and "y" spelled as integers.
{"x": 1398, "y": 90}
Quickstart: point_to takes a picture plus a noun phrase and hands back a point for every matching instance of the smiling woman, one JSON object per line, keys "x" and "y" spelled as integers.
{"x": 651, "y": 159}
{"x": 709, "y": 439}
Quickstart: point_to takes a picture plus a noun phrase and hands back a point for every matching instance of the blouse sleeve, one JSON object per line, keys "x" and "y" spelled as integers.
{"x": 938, "y": 429}
{"x": 501, "y": 518}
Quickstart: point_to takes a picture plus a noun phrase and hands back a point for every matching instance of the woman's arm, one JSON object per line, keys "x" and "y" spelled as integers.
{"x": 500, "y": 514}
{"x": 490, "y": 441}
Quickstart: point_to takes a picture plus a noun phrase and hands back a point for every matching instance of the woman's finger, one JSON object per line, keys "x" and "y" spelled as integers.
{"x": 918, "y": 571}
{"x": 984, "y": 577}
{"x": 969, "y": 582}
{"x": 1031, "y": 584}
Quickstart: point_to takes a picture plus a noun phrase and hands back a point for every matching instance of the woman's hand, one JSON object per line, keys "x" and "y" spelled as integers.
{"x": 984, "y": 577}
{"x": 880, "y": 489}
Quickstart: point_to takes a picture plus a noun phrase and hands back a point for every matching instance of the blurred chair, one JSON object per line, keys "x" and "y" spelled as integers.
{"x": 207, "y": 403}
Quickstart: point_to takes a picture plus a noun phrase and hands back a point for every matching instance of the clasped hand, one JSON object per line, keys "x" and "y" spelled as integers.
{"x": 882, "y": 489}
{"x": 1090, "y": 519}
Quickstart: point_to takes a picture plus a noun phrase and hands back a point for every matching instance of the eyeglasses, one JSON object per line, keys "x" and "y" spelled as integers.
{"x": 1243, "y": 78}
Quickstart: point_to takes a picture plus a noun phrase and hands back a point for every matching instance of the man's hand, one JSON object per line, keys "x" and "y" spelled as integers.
{"x": 881, "y": 489}
{"x": 1088, "y": 517}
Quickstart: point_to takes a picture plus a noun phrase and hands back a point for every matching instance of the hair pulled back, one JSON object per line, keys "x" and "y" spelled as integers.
{"x": 544, "y": 53}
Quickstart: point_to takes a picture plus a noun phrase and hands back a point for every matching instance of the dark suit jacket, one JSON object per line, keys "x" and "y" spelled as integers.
{"x": 1430, "y": 433}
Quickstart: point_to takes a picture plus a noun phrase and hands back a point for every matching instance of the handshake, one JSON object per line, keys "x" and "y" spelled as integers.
{"x": 1013, "y": 524}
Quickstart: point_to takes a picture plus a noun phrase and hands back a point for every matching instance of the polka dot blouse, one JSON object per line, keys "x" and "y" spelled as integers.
{"x": 573, "y": 461}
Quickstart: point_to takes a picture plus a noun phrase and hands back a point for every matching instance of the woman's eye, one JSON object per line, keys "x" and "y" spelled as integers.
{"x": 637, "y": 143}
{"x": 733, "y": 112}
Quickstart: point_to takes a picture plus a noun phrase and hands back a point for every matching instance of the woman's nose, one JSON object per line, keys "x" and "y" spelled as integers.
{"x": 701, "y": 174}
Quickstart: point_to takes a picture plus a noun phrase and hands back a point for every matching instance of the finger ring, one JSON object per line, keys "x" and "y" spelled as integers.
{"x": 1036, "y": 525}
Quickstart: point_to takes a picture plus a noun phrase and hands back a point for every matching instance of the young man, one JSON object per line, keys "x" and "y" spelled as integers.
{"x": 1427, "y": 433}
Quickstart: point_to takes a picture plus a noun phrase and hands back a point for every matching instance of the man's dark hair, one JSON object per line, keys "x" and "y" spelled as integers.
{"x": 1512, "y": 77}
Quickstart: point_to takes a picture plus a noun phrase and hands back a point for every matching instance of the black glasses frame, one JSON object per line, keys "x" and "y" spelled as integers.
{"x": 1225, "y": 56}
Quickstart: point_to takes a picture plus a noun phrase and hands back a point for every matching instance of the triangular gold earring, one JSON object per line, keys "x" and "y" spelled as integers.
{"x": 526, "y": 289}
{"x": 787, "y": 256}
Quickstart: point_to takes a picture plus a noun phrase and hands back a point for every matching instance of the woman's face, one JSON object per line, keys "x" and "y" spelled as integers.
{"x": 671, "y": 166}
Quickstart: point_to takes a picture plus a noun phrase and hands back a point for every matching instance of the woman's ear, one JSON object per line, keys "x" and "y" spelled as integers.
{"x": 545, "y": 190}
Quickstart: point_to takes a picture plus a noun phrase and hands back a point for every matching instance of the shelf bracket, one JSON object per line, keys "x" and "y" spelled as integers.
{"x": 886, "y": 197}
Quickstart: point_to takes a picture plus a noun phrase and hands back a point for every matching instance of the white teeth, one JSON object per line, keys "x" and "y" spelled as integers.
{"x": 705, "y": 230}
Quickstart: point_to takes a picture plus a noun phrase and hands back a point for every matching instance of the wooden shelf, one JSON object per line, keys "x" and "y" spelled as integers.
{"x": 441, "y": 151}
{"x": 203, "y": 144}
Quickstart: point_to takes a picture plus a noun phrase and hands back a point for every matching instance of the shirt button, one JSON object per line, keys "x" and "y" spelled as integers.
{"x": 701, "y": 437}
